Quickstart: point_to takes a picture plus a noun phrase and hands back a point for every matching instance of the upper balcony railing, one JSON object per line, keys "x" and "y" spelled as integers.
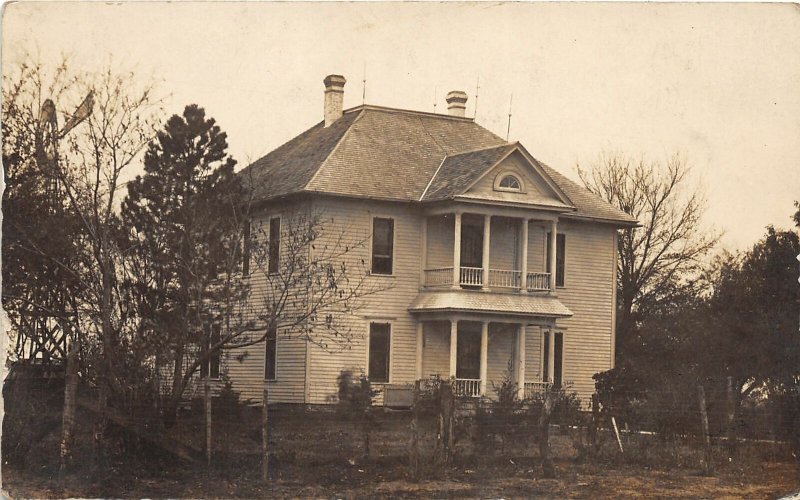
{"x": 498, "y": 278}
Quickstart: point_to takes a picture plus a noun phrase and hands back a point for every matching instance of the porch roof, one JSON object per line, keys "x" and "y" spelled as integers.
{"x": 517, "y": 304}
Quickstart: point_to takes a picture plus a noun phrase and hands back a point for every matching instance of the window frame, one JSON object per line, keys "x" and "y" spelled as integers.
{"x": 389, "y": 357}
{"x": 276, "y": 247}
{"x": 275, "y": 355}
{"x": 206, "y": 367}
{"x": 372, "y": 245}
{"x": 563, "y": 256}
{"x": 499, "y": 178}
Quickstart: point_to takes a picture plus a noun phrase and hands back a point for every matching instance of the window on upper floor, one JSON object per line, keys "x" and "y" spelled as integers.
{"x": 508, "y": 182}
{"x": 271, "y": 342}
{"x": 379, "y": 352}
{"x": 561, "y": 248}
{"x": 382, "y": 245}
{"x": 274, "y": 245}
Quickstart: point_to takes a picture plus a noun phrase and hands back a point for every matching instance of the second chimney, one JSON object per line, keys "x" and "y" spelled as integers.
{"x": 334, "y": 97}
{"x": 457, "y": 103}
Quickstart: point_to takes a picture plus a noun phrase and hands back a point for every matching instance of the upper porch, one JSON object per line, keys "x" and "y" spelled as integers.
{"x": 482, "y": 249}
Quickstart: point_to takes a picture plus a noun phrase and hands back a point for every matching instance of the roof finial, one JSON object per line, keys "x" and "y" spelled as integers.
{"x": 364, "y": 85}
{"x": 510, "y": 102}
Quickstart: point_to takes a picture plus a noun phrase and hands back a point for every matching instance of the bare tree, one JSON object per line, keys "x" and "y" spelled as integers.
{"x": 658, "y": 259}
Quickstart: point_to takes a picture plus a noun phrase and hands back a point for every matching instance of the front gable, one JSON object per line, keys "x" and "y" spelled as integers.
{"x": 517, "y": 178}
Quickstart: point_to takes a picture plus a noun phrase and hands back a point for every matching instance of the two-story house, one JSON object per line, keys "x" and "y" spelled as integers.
{"x": 496, "y": 264}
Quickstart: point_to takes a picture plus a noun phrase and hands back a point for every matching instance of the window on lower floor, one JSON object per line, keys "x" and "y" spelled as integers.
{"x": 210, "y": 368}
{"x": 557, "y": 341}
{"x": 468, "y": 353}
{"x": 269, "y": 355}
{"x": 379, "y": 352}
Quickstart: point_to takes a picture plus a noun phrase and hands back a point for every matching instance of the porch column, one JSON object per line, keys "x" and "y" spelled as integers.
{"x": 553, "y": 246}
{"x": 453, "y": 346}
{"x": 457, "y": 251}
{"x": 420, "y": 333}
{"x": 487, "y": 229}
{"x": 551, "y": 357}
{"x": 484, "y": 356}
{"x": 423, "y": 251}
{"x": 521, "y": 361}
{"x": 524, "y": 256}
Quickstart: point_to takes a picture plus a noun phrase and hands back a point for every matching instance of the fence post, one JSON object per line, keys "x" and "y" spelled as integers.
{"x": 448, "y": 410}
{"x": 207, "y": 404}
{"x": 413, "y": 452}
{"x": 731, "y": 431}
{"x": 68, "y": 415}
{"x": 701, "y": 394}
{"x": 544, "y": 435}
{"x": 265, "y": 437}
{"x": 593, "y": 447}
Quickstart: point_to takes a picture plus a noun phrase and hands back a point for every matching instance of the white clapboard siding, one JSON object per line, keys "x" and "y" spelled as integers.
{"x": 389, "y": 305}
{"x": 501, "y": 351}
{"x": 503, "y": 243}
{"x": 436, "y": 350}
{"x": 440, "y": 241}
{"x": 588, "y": 293}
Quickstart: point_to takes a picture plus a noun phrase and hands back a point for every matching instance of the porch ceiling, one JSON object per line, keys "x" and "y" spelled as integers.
{"x": 517, "y": 304}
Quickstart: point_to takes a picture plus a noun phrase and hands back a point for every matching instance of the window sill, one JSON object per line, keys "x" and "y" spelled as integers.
{"x": 379, "y": 275}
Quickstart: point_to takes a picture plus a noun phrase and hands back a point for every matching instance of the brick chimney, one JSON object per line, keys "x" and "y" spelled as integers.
{"x": 457, "y": 103}
{"x": 334, "y": 97}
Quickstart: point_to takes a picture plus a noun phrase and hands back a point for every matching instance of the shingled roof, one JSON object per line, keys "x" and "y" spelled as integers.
{"x": 391, "y": 154}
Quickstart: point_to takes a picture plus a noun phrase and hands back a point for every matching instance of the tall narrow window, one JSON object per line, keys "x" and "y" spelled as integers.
{"x": 382, "y": 245}
{"x": 471, "y": 246}
{"x": 269, "y": 355}
{"x": 274, "y": 245}
{"x": 468, "y": 352}
{"x": 546, "y": 357}
{"x": 210, "y": 368}
{"x": 556, "y": 340}
{"x": 557, "y": 359}
{"x": 246, "y": 250}
{"x": 561, "y": 247}
{"x": 379, "y": 347}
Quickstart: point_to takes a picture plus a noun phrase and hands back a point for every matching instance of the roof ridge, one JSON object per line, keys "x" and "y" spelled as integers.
{"x": 507, "y": 144}
{"x": 387, "y": 109}
{"x": 433, "y": 177}
{"x": 333, "y": 150}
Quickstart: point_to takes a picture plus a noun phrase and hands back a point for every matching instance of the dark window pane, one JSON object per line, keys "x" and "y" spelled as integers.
{"x": 471, "y": 246}
{"x": 546, "y": 360}
{"x": 246, "y": 250}
{"x": 468, "y": 353}
{"x": 269, "y": 358}
{"x": 382, "y": 244}
{"x": 559, "y": 350}
{"x": 561, "y": 247}
{"x": 274, "y": 244}
{"x": 379, "y": 345}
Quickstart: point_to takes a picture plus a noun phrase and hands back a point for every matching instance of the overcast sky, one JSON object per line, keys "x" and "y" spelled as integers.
{"x": 719, "y": 83}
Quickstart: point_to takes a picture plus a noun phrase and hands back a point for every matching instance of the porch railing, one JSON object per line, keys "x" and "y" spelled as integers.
{"x": 538, "y": 282}
{"x": 469, "y": 387}
{"x": 503, "y": 278}
{"x": 439, "y": 276}
{"x": 531, "y": 388}
{"x": 472, "y": 276}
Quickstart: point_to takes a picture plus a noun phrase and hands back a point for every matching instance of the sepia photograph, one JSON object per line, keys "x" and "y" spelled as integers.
{"x": 394, "y": 249}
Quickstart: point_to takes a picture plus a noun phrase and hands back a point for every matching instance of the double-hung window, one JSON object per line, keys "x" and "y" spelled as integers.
{"x": 382, "y": 245}
{"x": 561, "y": 247}
{"x": 210, "y": 367}
{"x": 379, "y": 352}
{"x": 274, "y": 245}
{"x": 271, "y": 342}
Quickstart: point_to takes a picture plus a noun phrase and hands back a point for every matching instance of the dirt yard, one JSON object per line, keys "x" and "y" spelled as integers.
{"x": 319, "y": 455}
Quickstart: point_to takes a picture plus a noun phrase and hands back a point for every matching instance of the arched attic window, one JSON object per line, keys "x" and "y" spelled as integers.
{"x": 508, "y": 182}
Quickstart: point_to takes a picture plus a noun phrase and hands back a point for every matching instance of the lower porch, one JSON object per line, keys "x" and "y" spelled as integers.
{"x": 480, "y": 354}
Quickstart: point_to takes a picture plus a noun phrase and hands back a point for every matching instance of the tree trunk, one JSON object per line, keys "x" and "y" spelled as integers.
{"x": 68, "y": 415}
{"x": 207, "y": 404}
{"x": 413, "y": 452}
{"x": 701, "y": 395}
{"x": 171, "y": 408}
{"x": 265, "y": 437}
